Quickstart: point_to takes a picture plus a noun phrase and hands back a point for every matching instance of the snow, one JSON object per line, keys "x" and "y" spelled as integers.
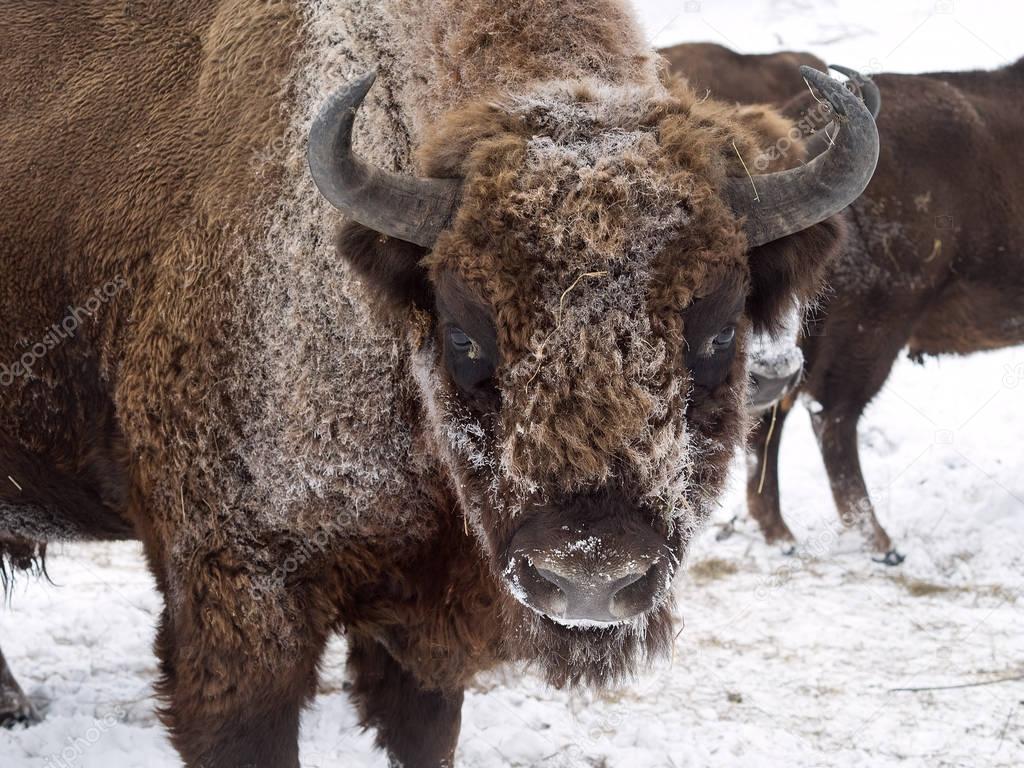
{"x": 869, "y": 35}
{"x": 784, "y": 661}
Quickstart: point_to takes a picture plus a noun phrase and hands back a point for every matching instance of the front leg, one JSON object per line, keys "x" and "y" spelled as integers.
{"x": 837, "y": 438}
{"x": 16, "y": 554}
{"x": 417, "y": 726}
{"x": 15, "y": 708}
{"x": 238, "y": 665}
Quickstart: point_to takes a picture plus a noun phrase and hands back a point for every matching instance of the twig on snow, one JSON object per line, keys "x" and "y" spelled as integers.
{"x": 1012, "y": 679}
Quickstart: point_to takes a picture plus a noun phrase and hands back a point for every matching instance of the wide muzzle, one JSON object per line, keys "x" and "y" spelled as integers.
{"x": 591, "y": 561}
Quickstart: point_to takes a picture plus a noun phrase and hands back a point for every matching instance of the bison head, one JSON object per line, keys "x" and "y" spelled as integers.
{"x": 584, "y": 267}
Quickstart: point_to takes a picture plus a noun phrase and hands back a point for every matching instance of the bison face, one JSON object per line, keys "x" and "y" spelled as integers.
{"x": 581, "y": 318}
{"x": 587, "y": 414}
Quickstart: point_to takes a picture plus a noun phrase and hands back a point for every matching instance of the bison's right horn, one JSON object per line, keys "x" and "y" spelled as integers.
{"x": 404, "y": 207}
{"x": 868, "y": 90}
{"x": 775, "y": 205}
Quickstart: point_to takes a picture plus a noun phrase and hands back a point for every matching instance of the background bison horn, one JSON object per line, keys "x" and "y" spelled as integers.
{"x": 404, "y": 207}
{"x": 778, "y": 204}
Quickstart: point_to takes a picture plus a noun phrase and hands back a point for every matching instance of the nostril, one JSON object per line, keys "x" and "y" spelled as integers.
{"x": 560, "y": 582}
{"x": 543, "y": 589}
{"x": 627, "y": 581}
{"x": 637, "y": 593}
{"x": 766, "y": 390}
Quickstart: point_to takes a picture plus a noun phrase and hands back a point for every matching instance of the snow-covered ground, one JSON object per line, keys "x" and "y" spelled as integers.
{"x": 783, "y": 661}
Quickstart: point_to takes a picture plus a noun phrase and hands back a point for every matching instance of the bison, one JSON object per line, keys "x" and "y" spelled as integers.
{"x": 930, "y": 265}
{"x": 775, "y": 360}
{"x": 746, "y": 78}
{"x": 471, "y": 411}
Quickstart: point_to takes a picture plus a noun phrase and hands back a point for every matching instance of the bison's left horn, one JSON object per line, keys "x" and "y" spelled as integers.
{"x": 404, "y": 207}
{"x": 779, "y": 204}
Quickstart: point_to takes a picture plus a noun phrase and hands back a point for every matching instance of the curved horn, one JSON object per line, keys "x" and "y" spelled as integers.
{"x": 868, "y": 90}
{"x": 782, "y": 203}
{"x": 404, "y": 207}
{"x": 869, "y": 94}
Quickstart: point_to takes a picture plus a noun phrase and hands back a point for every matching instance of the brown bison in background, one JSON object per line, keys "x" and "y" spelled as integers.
{"x": 480, "y": 423}
{"x": 744, "y": 78}
{"x": 931, "y": 262}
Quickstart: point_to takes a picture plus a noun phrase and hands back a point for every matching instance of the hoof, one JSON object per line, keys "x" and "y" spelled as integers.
{"x": 17, "y": 711}
{"x": 23, "y": 719}
{"x": 782, "y": 539}
{"x": 789, "y": 549}
{"x": 891, "y": 558}
{"x": 726, "y": 530}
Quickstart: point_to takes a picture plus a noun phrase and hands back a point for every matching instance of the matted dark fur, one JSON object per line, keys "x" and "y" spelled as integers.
{"x": 269, "y": 408}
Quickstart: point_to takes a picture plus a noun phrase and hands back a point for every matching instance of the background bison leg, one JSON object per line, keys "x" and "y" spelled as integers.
{"x": 418, "y": 727}
{"x": 15, "y": 708}
{"x": 847, "y": 364}
{"x": 837, "y": 438}
{"x": 763, "y": 500}
{"x": 238, "y": 664}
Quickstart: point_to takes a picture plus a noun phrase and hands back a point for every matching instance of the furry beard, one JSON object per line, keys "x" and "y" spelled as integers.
{"x": 588, "y": 656}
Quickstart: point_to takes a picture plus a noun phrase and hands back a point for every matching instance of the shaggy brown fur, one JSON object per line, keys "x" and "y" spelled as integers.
{"x": 768, "y": 78}
{"x": 275, "y": 421}
{"x": 931, "y": 265}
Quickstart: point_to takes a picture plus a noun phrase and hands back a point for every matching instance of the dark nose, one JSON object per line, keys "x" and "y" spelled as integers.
{"x": 766, "y": 390}
{"x": 589, "y": 573}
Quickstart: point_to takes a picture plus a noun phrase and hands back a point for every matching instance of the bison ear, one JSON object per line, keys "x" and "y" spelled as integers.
{"x": 791, "y": 271}
{"x": 390, "y": 268}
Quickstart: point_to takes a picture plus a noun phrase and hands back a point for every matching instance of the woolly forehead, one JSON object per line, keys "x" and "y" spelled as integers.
{"x": 585, "y": 237}
{"x": 577, "y": 192}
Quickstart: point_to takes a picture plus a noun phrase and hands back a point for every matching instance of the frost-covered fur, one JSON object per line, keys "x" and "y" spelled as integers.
{"x": 589, "y": 223}
{"x": 329, "y": 347}
{"x": 278, "y": 428}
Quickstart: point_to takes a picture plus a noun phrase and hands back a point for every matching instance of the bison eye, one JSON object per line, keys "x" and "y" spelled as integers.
{"x": 724, "y": 339}
{"x": 711, "y": 360}
{"x": 460, "y": 341}
{"x": 470, "y": 366}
